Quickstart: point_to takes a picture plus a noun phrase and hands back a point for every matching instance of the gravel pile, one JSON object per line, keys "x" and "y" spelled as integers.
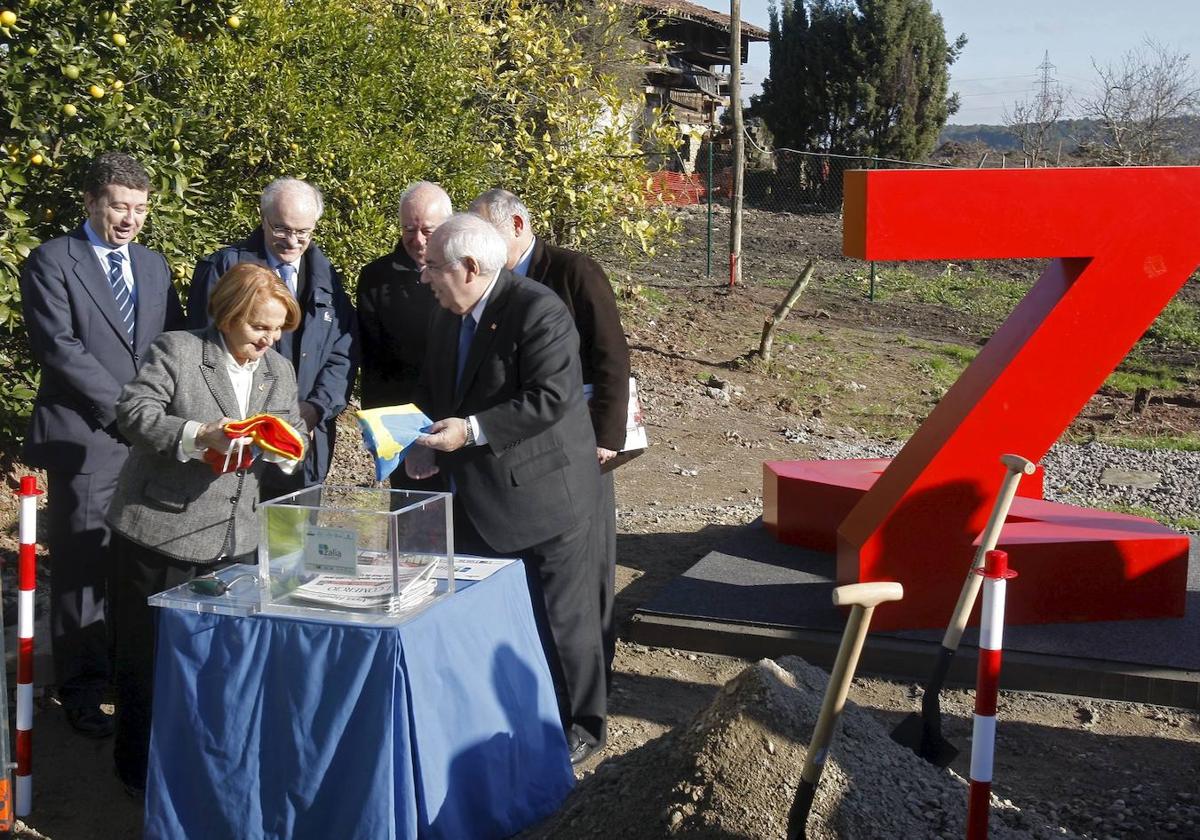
{"x": 731, "y": 773}
{"x": 1090, "y": 475}
{"x": 1093, "y": 475}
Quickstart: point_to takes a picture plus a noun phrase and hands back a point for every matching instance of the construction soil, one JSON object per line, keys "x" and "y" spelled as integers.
{"x": 707, "y": 746}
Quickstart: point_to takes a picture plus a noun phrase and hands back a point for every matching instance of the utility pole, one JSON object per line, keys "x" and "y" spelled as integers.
{"x": 739, "y": 147}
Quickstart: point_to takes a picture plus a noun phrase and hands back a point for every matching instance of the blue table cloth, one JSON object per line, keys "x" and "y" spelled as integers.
{"x": 270, "y": 727}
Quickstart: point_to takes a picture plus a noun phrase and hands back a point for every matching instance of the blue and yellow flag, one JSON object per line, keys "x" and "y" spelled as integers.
{"x": 388, "y": 433}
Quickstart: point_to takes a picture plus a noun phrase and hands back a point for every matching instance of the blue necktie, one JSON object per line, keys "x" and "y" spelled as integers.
{"x": 466, "y": 332}
{"x": 287, "y": 273}
{"x": 116, "y": 279}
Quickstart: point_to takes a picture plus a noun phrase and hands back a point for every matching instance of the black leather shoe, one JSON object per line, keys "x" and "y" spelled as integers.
{"x": 580, "y": 750}
{"x": 89, "y": 721}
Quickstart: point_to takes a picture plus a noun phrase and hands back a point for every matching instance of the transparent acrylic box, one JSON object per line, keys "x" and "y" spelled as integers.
{"x": 365, "y": 555}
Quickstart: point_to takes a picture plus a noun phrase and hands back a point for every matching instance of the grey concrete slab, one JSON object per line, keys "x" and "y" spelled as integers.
{"x": 753, "y": 597}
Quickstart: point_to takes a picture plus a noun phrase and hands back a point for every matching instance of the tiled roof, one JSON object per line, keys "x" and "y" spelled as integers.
{"x": 690, "y": 11}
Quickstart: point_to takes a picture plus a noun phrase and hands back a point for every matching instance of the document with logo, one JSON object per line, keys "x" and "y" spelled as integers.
{"x": 371, "y": 588}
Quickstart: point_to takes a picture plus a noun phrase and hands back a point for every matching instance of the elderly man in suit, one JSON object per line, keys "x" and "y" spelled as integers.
{"x": 394, "y": 306}
{"x": 513, "y": 438}
{"x": 324, "y": 349}
{"x": 604, "y": 354}
{"x": 93, "y": 302}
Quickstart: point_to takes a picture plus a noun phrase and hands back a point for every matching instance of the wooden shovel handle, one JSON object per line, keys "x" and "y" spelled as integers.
{"x": 867, "y": 594}
{"x": 1017, "y": 468}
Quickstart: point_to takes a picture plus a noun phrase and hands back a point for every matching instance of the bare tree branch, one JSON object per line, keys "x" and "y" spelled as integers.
{"x": 1139, "y": 102}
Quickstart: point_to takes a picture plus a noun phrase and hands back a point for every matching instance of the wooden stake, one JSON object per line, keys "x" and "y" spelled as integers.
{"x": 739, "y": 143}
{"x": 782, "y": 311}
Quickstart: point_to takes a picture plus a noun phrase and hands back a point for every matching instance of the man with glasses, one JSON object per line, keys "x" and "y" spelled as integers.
{"x": 93, "y": 301}
{"x": 323, "y": 350}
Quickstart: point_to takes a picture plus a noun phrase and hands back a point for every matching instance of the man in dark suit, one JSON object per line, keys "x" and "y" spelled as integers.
{"x": 93, "y": 302}
{"x": 604, "y": 354}
{"x": 514, "y": 441}
{"x": 324, "y": 350}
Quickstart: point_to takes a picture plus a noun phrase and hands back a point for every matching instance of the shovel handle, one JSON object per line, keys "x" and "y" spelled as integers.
{"x": 862, "y": 598}
{"x": 1016, "y": 468}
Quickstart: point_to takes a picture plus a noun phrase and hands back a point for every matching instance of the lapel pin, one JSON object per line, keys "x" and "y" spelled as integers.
{"x": 493, "y": 325}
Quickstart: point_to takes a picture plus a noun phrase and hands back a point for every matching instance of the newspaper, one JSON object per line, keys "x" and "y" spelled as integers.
{"x": 372, "y": 588}
{"x": 636, "y": 440}
{"x": 467, "y": 567}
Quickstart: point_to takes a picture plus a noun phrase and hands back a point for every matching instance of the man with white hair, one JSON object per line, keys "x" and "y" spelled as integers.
{"x": 583, "y": 286}
{"x": 324, "y": 349}
{"x": 514, "y": 442}
{"x": 394, "y": 307}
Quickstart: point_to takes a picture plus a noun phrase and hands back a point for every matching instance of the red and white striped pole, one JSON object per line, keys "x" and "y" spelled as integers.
{"x": 26, "y": 572}
{"x": 995, "y": 573}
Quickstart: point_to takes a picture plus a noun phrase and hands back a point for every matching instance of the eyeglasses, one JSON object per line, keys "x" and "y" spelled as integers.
{"x": 281, "y": 232}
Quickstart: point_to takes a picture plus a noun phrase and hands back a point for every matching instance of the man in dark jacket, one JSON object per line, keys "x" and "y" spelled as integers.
{"x": 324, "y": 350}
{"x": 514, "y": 442}
{"x": 93, "y": 302}
{"x": 603, "y": 353}
{"x": 394, "y": 307}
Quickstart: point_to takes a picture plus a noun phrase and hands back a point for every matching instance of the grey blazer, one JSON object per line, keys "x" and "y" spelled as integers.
{"x": 183, "y": 510}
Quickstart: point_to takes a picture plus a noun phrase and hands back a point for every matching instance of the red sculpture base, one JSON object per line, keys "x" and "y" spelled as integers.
{"x": 1076, "y": 564}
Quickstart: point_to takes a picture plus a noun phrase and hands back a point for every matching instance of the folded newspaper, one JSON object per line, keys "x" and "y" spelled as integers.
{"x": 372, "y": 589}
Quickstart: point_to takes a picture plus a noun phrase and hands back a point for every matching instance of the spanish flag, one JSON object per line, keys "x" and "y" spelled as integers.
{"x": 389, "y": 432}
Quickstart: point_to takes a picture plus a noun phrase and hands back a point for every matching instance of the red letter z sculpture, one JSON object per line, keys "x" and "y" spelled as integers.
{"x": 1122, "y": 242}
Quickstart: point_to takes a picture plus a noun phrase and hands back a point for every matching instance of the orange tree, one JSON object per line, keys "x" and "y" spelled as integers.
{"x": 358, "y": 96}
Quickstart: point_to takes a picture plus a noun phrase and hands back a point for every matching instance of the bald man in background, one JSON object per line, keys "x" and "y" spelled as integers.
{"x": 394, "y": 306}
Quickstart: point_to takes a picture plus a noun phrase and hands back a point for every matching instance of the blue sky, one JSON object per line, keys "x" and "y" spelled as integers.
{"x": 1006, "y": 42}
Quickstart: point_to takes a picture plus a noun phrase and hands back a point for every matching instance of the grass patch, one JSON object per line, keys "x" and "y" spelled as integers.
{"x": 1155, "y": 377}
{"x": 962, "y": 355}
{"x": 1179, "y": 523}
{"x": 1178, "y": 325}
{"x": 1132, "y": 510}
{"x": 1181, "y": 443}
{"x": 945, "y": 365}
{"x": 1187, "y": 523}
{"x": 974, "y": 291}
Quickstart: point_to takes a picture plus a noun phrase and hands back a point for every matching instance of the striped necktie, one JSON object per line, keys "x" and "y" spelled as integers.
{"x": 116, "y": 279}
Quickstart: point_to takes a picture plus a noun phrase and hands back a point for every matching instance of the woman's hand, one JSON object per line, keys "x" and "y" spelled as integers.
{"x": 212, "y": 436}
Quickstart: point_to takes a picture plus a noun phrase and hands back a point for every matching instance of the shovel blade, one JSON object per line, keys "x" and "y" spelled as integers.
{"x": 925, "y": 739}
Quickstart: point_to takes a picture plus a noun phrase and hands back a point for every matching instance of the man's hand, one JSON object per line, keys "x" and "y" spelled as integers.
{"x": 446, "y": 435}
{"x": 308, "y": 413}
{"x": 604, "y": 455}
{"x": 212, "y": 436}
{"x": 419, "y": 463}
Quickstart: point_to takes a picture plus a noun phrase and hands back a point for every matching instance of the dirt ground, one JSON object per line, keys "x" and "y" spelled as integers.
{"x": 862, "y": 370}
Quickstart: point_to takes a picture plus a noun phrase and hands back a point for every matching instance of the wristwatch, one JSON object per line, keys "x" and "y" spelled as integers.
{"x": 470, "y": 432}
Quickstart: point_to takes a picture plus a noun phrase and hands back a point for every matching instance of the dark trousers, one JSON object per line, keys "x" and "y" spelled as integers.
{"x": 78, "y": 543}
{"x": 138, "y": 573}
{"x": 563, "y": 589}
{"x": 605, "y": 523}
